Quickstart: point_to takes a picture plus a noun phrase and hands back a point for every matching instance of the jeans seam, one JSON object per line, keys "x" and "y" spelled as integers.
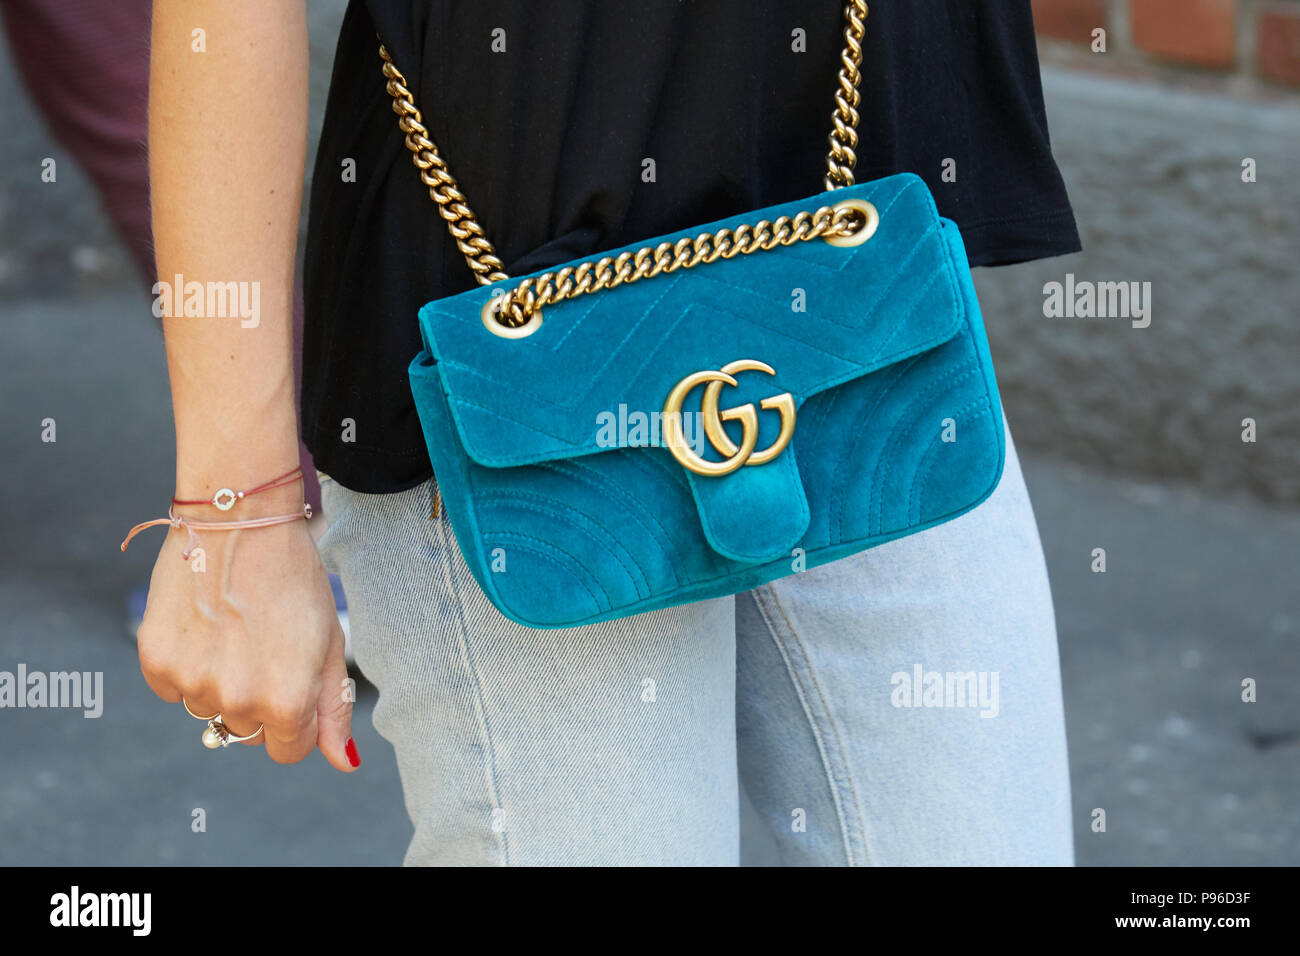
{"x": 763, "y": 595}
{"x": 480, "y": 704}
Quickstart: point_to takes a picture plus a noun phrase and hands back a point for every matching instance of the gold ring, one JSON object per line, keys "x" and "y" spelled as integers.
{"x": 194, "y": 715}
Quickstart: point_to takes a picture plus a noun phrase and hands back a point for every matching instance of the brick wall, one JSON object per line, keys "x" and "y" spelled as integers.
{"x": 1250, "y": 42}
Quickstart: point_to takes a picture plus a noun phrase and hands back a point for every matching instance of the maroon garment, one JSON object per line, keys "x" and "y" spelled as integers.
{"x": 86, "y": 66}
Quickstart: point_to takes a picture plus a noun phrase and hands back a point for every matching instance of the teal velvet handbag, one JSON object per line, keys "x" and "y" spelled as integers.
{"x": 718, "y": 408}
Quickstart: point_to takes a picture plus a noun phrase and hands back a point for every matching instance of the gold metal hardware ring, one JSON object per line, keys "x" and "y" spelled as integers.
{"x": 492, "y": 319}
{"x": 866, "y": 213}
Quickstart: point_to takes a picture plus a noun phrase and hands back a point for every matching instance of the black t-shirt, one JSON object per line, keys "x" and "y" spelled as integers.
{"x": 732, "y": 100}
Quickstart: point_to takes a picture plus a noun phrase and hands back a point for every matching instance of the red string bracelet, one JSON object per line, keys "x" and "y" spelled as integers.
{"x": 225, "y": 499}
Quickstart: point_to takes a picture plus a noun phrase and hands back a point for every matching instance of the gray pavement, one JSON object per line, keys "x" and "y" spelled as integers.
{"x": 1199, "y": 594}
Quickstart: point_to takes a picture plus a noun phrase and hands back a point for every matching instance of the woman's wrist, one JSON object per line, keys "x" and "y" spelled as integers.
{"x": 228, "y": 456}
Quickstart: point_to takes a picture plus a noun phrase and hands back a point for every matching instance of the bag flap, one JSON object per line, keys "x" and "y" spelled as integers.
{"x": 817, "y": 314}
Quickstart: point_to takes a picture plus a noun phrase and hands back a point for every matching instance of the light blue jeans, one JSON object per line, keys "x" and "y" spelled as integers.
{"x": 898, "y": 707}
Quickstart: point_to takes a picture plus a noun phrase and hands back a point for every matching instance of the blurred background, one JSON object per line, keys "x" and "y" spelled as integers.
{"x": 1177, "y": 127}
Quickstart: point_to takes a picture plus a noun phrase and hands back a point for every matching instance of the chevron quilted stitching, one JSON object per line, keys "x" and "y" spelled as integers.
{"x": 575, "y": 324}
{"x": 812, "y": 419}
{"x": 498, "y": 413}
{"x": 599, "y": 485}
{"x": 887, "y": 460}
{"x": 882, "y": 295}
{"x": 562, "y": 511}
{"x": 576, "y": 399}
{"x": 673, "y": 473}
{"x": 840, "y": 487}
{"x": 928, "y": 460}
{"x": 897, "y": 324}
{"x": 817, "y": 428}
{"x": 567, "y": 441}
{"x": 649, "y": 310}
{"x": 907, "y": 315}
{"x": 543, "y": 550}
{"x": 669, "y": 542}
{"x": 539, "y": 545}
{"x": 666, "y": 340}
{"x": 829, "y": 398}
{"x": 785, "y": 329}
{"x": 902, "y": 353}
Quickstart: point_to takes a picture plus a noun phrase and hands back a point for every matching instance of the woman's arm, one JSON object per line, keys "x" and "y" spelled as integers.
{"x": 227, "y": 149}
{"x": 254, "y": 636}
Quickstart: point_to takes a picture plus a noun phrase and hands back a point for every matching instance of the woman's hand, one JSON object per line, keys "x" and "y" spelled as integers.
{"x": 253, "y": 636}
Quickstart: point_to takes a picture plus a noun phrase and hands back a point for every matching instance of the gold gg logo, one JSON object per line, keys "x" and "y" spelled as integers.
{"x": 747, "y": 415}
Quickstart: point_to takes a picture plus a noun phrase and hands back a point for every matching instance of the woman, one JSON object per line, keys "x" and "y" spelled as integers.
{"x": 577, "y": 127}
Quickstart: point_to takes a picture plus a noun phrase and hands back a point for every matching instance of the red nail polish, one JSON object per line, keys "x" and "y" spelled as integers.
{"x": 354, "y": 758}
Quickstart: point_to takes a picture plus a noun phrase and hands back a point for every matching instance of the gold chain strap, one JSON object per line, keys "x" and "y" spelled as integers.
{"x": 443, "y": 188}
{"x": 846, "y": 223}
{"x": 844, "y": 133}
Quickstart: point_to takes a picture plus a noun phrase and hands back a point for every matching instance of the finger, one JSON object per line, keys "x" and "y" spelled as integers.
{"x": 157, "y": 676}
{"x": 160, "y": 683}
{"x": 243, "y": 724}
{"x": 334, "y": 711}
{"x": 289, "y": 738}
